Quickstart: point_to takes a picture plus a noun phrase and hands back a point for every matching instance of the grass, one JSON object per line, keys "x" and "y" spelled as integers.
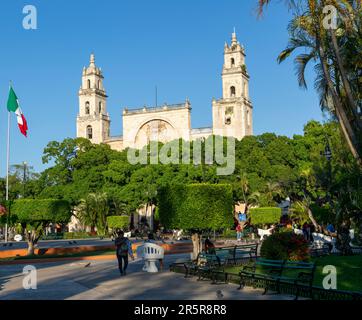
{"x": 349, "y": 271}
{"x": 78, "y": 254}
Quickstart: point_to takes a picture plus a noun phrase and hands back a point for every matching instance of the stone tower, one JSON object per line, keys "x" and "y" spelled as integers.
{"x": 93, "y": 121}
{"x": 232, "y": 115}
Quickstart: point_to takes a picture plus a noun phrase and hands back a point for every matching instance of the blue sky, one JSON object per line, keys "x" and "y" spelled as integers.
{"x": 176, "y": 45}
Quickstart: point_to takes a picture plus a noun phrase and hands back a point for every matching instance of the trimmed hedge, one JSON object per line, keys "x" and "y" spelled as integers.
{"x": 36, "y": 210}
{"x": 121, "y": 222}
{"x": 196, "y": 206}
{"x": 77, "y": 235}
{"x": 265, "y": 215}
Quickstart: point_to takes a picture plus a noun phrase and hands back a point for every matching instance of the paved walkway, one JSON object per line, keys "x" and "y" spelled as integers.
{"x": 101, "y": 280}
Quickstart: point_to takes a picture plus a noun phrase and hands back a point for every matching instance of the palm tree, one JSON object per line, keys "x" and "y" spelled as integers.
{"x": 249, "y": 198}
{"x": 93, "y": 211}
{"x": 272, "y": 190}
{"x": 338, "y": 78}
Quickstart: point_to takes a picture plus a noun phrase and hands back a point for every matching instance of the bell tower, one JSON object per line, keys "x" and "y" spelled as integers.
{"x": 93, "y": 121}
{"x": 232, "y": 115}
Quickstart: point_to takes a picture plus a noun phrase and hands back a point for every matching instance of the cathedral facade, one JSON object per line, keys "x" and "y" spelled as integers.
{"x": 232, "y": 114}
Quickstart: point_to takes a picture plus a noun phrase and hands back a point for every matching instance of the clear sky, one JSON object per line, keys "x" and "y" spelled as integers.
{"x": 176, "y": 45}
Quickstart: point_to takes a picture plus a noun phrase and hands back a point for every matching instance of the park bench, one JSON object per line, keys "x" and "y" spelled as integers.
{"x": 274, "y": 272}
{"x": 251, "y": 250}
{"x": 235, "y": 253}
{"x": 206, "y": 266}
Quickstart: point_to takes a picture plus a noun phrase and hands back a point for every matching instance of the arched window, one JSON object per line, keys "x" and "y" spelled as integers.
{"x": 87, "y": 108}
{"x": 232, "y": 62}
{"x": 100, "y": 107}
{"x": 232, "y": 91}
{"x": 89, "y": 132}
{"x": 89, "y": 84}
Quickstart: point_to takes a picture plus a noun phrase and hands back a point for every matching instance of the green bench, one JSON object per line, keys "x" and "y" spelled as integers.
{"x": 275, "y": 272}
{"x": 236, "y": 253}
{"x": 206, "y": 266}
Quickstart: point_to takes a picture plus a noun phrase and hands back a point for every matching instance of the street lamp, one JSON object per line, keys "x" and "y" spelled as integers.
{"x": 327, "y": 152}
{"x": 328, "y": 155}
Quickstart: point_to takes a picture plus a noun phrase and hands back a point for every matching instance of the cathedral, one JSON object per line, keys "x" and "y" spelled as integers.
{"x": 232, "y": 114}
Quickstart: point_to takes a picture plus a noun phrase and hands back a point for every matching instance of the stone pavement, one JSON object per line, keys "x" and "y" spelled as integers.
{"x": 101, "y": 281}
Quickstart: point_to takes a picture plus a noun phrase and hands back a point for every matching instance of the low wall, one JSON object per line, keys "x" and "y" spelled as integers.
{"x": 168, "y": 247}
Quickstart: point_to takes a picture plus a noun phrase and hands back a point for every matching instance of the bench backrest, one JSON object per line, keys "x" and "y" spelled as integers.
{"x": 207, "y": 259}
{"x": 306, "y": 267}
{"x": 269, "y": 262}
{"x": 270, "y": 266}
{"x": 245, "y": 247}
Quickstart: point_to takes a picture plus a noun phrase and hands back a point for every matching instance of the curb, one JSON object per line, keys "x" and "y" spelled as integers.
{"x": 85, "y": 258}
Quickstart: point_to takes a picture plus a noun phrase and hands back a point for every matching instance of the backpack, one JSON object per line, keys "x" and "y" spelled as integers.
{"x": 122, "y": 246}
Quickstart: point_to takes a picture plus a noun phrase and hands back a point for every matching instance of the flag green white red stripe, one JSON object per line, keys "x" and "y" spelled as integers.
{"x": 13, "y": 106}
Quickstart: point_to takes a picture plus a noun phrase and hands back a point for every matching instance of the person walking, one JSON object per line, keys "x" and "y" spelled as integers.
{"x": 124, "y": 249}
{"x": 239, "y": 231}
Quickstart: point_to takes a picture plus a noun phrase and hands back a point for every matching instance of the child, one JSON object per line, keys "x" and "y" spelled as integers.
{"x": 238, "y": 232}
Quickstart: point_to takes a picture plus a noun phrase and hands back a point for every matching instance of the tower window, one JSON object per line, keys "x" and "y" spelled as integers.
{"x": 248, "y": 117}
{"x": 89, "y": 84}
{"x": 232, "y": 62}
{"x": 87, "y": 109}
{"x": 89, "y": 132}
{"x": 100, "y": 107}
{"x": 228, "y": 120}
{"x": 99, "y": 84}
{"x": 232, "y": 91}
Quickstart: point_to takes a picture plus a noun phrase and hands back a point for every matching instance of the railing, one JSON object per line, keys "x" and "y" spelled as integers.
{"x": 155, "y": 109}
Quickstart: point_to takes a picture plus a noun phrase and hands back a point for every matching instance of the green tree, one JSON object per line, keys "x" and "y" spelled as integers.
{"x": 93, "y": 211}
{"x": 196, "y": 208}
{"x": 338, "y": 70}
{"x": 34, "y": 215}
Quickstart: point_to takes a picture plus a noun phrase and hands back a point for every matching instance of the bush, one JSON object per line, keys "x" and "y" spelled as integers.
{"x": 118, "y": 222}
{"x": 53, "y": 236}
{"x": 77, "y": 235}
{"x": 285, "y": 246}
{"x": 265, "y": 215}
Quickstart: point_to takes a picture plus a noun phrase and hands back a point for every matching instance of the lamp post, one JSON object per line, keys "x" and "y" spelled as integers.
{"x": 24, "y": 177}
{"x": 328, "y": 155}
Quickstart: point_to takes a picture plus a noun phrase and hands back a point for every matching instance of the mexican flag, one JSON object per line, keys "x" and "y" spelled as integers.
{"x": 13, "y": 106}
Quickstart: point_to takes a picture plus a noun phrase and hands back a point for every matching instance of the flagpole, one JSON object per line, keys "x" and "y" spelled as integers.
{"x": 7, "y": 172}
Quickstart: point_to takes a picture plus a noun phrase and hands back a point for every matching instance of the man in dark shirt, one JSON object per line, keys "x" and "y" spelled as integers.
{"x": 124, "y": 249}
